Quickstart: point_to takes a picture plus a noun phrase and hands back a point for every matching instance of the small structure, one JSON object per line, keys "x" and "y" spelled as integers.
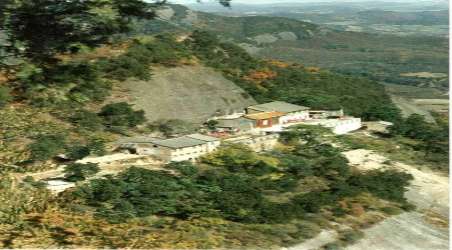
{"x": 185, "y": 148}
{"x": 234, "y": 124}
{"x": 258, "y": 143}
{"x": 265, "y": 119}
{"x": 291, "y": 113}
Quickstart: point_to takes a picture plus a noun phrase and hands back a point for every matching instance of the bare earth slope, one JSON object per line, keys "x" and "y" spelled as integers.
{"x": 406, "y": 231}
{"x": 423, "y": 229}
{"x": 426, "y": 228}
{"x": 189, "y": 93}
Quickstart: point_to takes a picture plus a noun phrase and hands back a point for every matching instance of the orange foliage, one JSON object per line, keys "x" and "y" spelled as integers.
{"x": 357, "y": 209}
{"x": 279, "y": 64}
{"x": 313, "y": 69}
{"x": 6, "y": 76}
{"x": 258, "y": 76}
{"x": 101, "y": 52}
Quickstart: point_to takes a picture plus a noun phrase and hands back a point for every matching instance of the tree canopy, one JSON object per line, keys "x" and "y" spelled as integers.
{"x": 40, "y": 29}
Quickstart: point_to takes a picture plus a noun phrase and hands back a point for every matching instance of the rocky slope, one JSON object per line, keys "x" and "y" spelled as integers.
{"x": 189, "y": 93}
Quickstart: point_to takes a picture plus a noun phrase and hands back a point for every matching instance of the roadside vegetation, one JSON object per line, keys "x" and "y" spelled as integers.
{"x": 412, "y": 140}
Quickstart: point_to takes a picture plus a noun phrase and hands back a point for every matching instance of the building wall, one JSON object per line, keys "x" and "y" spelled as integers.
{"x": 323, "y": 114}
{"x": 264, "y": 123}
{"x": 192, "y": 153}
{"x": 294, "y": 117}
{"x": 260, "y": 143}
{"x": 239, "y": 125}
{"x": 170, "y": 154}
{"x": 345, "y": 126}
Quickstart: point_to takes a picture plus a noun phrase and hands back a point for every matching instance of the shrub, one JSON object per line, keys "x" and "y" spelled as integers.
{"x": 94, "y": 146}
{"x": 121, "y": 114}
{"x": 87, "y": 120}
{"x": 391, "y": 210}
{"x": 185, "y": 168}
{"x": 389, "y": 184}
{"x": 351, "y": 236}
{"x": 46, "y": 146}
{"x": 5, "y": 96}
{"x": 172, "y": 127}
{"x": 79, "y": 172}
{"x": 77, "y": 152}
{"x": 332, "y": 246}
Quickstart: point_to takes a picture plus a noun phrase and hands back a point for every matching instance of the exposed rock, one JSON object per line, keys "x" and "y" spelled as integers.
{"x": 288, "y": 36}
{"x": 251, "y": 49}
{"x": 190, "y": 18}
{"x": 189, "y": 93}
{"x": 405, "y": 231}
{"x": 265, "y": 38}
{"x": 166, "y": 13}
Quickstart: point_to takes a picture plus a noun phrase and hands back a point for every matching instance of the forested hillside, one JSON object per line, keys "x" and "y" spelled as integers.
{"x": 62, "y": 101}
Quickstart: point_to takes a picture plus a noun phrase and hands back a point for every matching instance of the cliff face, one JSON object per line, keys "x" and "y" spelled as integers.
{"x": 189, "y": 93}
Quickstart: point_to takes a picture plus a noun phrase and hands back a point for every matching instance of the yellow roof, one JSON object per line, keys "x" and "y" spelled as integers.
{"x": 264, "y": 115}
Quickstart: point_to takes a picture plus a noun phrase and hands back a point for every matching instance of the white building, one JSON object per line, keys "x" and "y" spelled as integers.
{"x": 292, "y": 113}
{"x": 339, "y": 126}
{"x": 185, "y": 148}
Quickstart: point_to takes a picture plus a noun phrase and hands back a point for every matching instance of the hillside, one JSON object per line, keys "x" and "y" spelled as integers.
{"x": 81, "y": 90}
{"x": 385, "y": 58}
{"x": 189, "y": 93}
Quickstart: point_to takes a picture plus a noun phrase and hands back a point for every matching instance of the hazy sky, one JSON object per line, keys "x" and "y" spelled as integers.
{"x": 280, "y": 1}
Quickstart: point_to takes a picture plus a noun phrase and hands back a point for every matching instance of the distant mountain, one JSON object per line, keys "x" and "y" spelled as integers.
{"x": 324, "y": 5}
{"x": 396, "y": 17}
{"x": 382, "y": 57}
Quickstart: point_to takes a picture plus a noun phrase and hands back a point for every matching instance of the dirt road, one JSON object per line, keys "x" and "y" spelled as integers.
{"x": 408, "y": 231}
{"x": 423, "y": 229}
{"x": 409, "y": 107}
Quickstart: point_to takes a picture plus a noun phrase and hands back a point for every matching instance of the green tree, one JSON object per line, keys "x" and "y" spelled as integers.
{"x": 87, "y": 120}
{"x": 384, "y": 112}
{"x": 212, "y": 124}
{"x": 47, "y": 27}
{"x": 414, "y": 127}
{"x": 5, "y": 96}
{"x": 46, "y": 146}
{"x": 40, "y": 29}
{"x": 121, "y": 114}
{"x": 389, "y": 185}
{"x": 79, "y": 172}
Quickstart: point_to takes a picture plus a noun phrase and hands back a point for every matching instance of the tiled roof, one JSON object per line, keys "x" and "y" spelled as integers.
{"x": 138, "y": 139}
{"x": 278, "y": 106}
{"x": 264, "y": 115}
{"x": 201, "y": 137}
{"x": 180, "y": 142}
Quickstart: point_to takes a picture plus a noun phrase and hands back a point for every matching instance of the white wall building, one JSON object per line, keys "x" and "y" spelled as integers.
{"x": 185, "y": 148}
{"x": 292, "y": 113}
{"x": 339, "y": 126}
